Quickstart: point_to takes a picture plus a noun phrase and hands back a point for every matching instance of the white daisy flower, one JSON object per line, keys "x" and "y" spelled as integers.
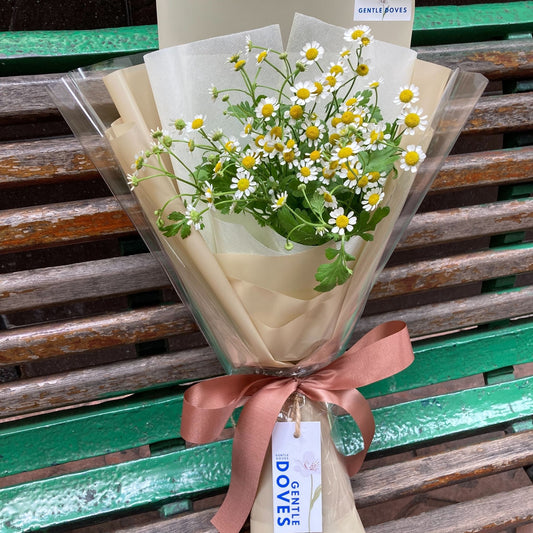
{"x": 133, "y": 181}
{"x": 243, "y": 183}
{"x": 357, "y": 33}
{"x": 413, "y": 119}
{"x": 307, "y": 171}
{"x": 304, "y": 92}
{"x": 412, "y": 157}
{"x": 312, "y": 132}
{"x": 329, "y": 199}
{"x": 197, "y": 123}
{"x": 407, "y": 95}
{"x": 207, "y": 189}
{"x": 311, "y": 53}
{"x": 372, "y": 198}
{"x": 267, "y": 108}
{"x": 342, "y": 223}
{"x": 351, "y": 174}
{"x": 279, "y": 200}
{"x": 248, "y": 127}
{"x": 193, "y": 217}
{"x": 346, "y": 154}
{"x": 376, "y": 138}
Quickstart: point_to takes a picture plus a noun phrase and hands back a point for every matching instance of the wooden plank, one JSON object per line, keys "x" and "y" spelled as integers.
{"x": 480, "y": 169}
{"x": 138, "y": 273}
{"x": 63, "y": 223}
{"x": 450, "y": 225}
{"x": 82, "y": 281}
{"x": 84, "y": 220}
{"x": 415, "y": 476}
{"x": 500, "y": 114}
{"x": 496, "y": 60}
{"x": 207, "y": 468}
{"x": 456, "y": 314}
{"x": 43, "y": 161}
{"x": 492, "y": 513}
{"x": 93, "y": 333}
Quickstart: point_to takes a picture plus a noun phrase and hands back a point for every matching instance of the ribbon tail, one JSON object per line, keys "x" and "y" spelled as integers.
{"x": 250, "y": 444}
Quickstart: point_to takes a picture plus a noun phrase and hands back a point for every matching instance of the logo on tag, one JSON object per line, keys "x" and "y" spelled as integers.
{"x": 385, "y": 10}
{"x": 297, "y": 478}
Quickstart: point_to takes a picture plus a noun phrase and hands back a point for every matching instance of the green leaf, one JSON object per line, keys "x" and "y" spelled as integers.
{"x": 329, "y": 275}
{"x": 331, "y": 253}
{"x": 185, "y": 230}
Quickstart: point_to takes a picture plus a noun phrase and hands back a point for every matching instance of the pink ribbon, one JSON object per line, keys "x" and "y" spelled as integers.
{"x": 207, "y": 406}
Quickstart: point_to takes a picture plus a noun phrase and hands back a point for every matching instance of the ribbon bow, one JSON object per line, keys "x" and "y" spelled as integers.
{"x": 207, "y": 406}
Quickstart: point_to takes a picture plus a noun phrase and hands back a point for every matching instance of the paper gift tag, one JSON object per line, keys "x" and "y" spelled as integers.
{"x": 297, "y": 479}
{"x": 382, "y": 10}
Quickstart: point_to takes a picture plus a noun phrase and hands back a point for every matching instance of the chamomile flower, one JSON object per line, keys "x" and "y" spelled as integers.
{"x": 249, "y": 45}
{"x": 139, "y": 160}
{"x": 197, "y": 123}
{"x": 362, "y": 184}
{"x": 267, "y": 144}
{"x": 372, "y": 198}
{"x": 311, "y": 53}
{"x": 279, "y": 200}
{"x": 412, "y": 157}
{"x": 329, "y": 199}
{"x": 407, "y": 95}
{"x": 363, "y": 68}
{"x": 303, "y": 93}
{"x": 374, "y": 84}
{"x": 338, "y": 69}
{"x": 346, "y": 154}
{"x": 351, "y": 174}
{"x": 307, "y": 171}
{"x": 376, "y": 138}
{"x": 294, "y": 114}
{"x": 231, "y": 145}
{"x": 261, "y": 56}
{"x": 244, "y": 184}
{"x": 319, "y": 91}
{"x": 193, "y": 217}
{"x": 207, "y": 189}
{"x": 342, "y": 223}
{"x": 249, "y": 160}
{"x": 345, "y": 52}
{"x": 133, "y": 181}
{"x": 357, "y": 33}
{"x": 312, "y": 132}
{"x": 248, "y": 127}
{"x": 330, "y": 82}
{"x": 377, "y": 178}
{"x": 413, "y": 119}
{"x": 267, "y": 108}
{"x": 289, "y": 156}
{"x": 213, "y": 92}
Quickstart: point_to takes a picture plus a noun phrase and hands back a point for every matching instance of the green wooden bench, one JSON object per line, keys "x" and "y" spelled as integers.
{"x": 96, "y": 349}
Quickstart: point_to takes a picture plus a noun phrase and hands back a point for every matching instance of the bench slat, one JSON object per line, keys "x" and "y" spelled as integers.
{"x": 139, "y": 273}
{"x": 374, "y": 486}
{"x": 86, "y": 220}
{"x": 175, "y": 474}
{"x": 438, "y": 360}
{"x": 491, "y": 513}
{"x": 56, "y": 159}
{"x": 28, "y": 344}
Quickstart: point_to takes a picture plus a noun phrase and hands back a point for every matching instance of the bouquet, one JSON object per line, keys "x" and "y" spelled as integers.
{"x": 273, "y": 184}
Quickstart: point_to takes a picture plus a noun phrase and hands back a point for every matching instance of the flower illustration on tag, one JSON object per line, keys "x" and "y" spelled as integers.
{"x": 309, "y": 467}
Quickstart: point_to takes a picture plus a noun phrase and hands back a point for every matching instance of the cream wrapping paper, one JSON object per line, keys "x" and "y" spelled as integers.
{"x": 265, "y": 293}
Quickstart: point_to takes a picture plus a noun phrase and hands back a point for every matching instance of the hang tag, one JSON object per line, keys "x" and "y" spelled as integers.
{"x": 382, "y": 10}
{"x": 297, "y": 478}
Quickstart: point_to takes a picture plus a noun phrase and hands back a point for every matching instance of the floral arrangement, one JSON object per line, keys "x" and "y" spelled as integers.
{"x": 313, "y": 157}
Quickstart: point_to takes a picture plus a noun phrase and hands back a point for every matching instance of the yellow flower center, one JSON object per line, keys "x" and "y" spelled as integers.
{"x": 336, "y": 69}
{"x": 327, "y": 197}
{"x": 139, "y": 162}
{"x": 373, "y": 199}
{"x": 362, "y": 69}
{"x": 258, "y": 140}
{"x": 314, "y": 155}
{"x": 243, "y": 184}
{"x": 261, "y": 56}
{"x": 276, "y": 132}
{"x": 305, "y": 172}
{"x": 289, "y": 156}
{"x": 351, "y": 101}
{"x": 240, "y": 64}
{"x": 376, "y": 136}
{"x": 365, "y": 41}
{"x": 334, "y": 138}
{"x": 267, "y": 110}
{"x": 357, "y": 34}
{"x": 352, "y": 174}
{"x": 406, "y": 96}
{"x": 328, "y": 173}
{"x": 331, "y": 80}
{"x": 296, "y": 112}
{"x": 280, "y": 201}
{"x": 268, "y": 148}
{"x": 412, "y": 120}
{"x": 358, "y": 119}
{"x": 218, "y": 167}
{"x": 412, "y": 158}
{"x": 345, "y": 53}
{"x": 373, "y": 176}
{"x": 303, "y": 93}
{"x": 311, "y": 54}
{"x": 248, "y": 162}
{"x": 312, "y": 132}
{"x": 247, "y": 129}
{"x": 230, "y": 146}
{"x": 342, "y": 221}
{"x": 291, "y": 143}
{"x": 318, "y": 88}
{"x": 197, "y": 123}
{"x": 363, "y": 182}
{"x": 279, "y": 147}
{"x": 335, "y": 121}
{"x": 348, "y": 117}
{"x": 333, "y": 165}
{"x": 344, "y": 152}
